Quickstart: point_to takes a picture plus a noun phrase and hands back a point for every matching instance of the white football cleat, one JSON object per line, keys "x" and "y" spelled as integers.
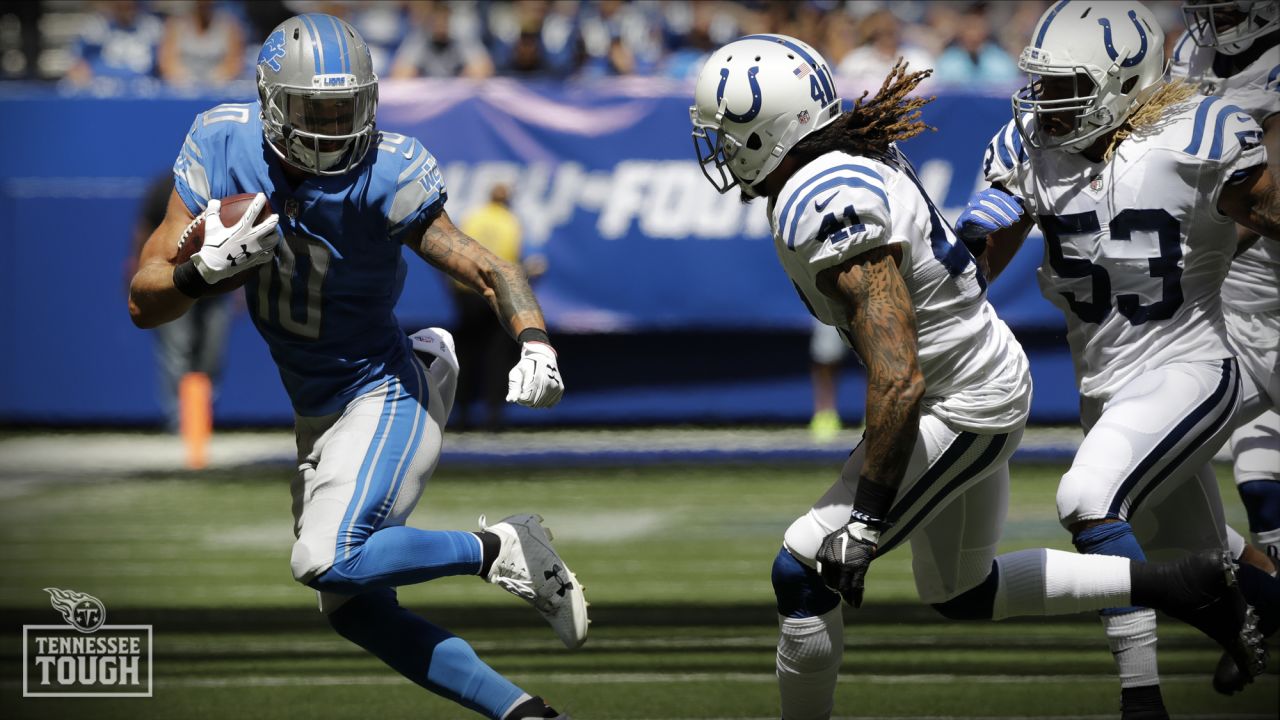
{"x": 529, "y": 568}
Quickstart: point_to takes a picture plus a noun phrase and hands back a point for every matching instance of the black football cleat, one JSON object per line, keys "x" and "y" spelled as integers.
{"x": 1201, "y": 590}
{"x": 1227, "y": 678}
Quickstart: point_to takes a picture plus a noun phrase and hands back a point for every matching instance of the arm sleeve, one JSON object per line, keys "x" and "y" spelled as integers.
{"x": 419, "y": 194}
{"x": 837, "y": 218}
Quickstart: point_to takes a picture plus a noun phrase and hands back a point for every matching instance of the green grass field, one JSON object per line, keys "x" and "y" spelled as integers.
{"x": 675, "y": 561}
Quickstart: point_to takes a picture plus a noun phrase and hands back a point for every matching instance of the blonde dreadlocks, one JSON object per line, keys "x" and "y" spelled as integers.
{"x": 1146, "y": 117}
{"x": 872, "y": 125}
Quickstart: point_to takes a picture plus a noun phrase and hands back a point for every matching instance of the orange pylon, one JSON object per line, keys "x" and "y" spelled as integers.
{"x": 195, "y": 410}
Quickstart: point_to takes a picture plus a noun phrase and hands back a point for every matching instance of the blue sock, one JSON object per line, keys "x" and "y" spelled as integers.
{"x": 1110, "y": 539}
{"x": 401, "y": 555}
{"x": 426, "y": 654}
{"x": 1261, "y": 500}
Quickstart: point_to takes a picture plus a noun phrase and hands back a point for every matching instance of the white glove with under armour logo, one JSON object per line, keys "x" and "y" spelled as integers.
{"x": 535, "y": 380}
{"x": 228, "y": 251}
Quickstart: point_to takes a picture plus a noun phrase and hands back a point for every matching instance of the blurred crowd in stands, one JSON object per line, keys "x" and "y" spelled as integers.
{"x": 202, "y": 43}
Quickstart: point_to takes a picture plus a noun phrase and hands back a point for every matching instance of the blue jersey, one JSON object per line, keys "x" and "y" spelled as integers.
{"x": 324, "y": 304}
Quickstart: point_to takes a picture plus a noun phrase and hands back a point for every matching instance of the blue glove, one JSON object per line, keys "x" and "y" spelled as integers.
{"x": 987, "y": 212}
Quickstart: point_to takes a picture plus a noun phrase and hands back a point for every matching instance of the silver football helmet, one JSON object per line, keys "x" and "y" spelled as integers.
{"x": 1090, "y": 64}
{"x": 319, "y": 94}
{"x": 1230, "y": 27}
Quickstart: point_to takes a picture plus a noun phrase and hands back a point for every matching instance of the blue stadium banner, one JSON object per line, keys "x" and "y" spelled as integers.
{"x": 604, "y": 182}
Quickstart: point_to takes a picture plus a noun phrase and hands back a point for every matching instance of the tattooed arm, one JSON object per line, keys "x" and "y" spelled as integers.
{"x": 882, "y": 323}
{"x": 502, "y": 283}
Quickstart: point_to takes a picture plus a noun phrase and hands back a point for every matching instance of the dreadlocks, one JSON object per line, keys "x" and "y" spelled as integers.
{"x": 870, "y": 126}
{"x": 1148, "y": 116}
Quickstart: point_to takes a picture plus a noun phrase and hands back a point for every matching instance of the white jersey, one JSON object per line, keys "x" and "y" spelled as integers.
{"x": 1135, "y": 249}
{"x": 1253, "y": 285}
{"x": 840, "y": 206}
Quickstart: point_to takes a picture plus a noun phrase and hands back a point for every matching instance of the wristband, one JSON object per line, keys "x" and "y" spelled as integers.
{"x": 871, "y": 504}
{"x": 534, "y": 335}
{"x": 188, "y": 281}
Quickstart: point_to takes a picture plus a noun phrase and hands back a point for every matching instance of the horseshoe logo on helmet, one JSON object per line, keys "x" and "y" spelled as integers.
{"x": 751, "y": 112}
{"x": 1111, "y": 50}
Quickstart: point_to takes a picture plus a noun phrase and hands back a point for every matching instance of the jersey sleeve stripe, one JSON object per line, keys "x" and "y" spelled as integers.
{"x": 193, "y": 186}
{"x": 1017, "y": 143}
{"x": 847, "y": 167}
{"x": 831, "y": 182}
{"x": 1197, "y": 130}
{"x": 413, "y": 168}
{"x": 1215, "y": 150}
{"x": 1002, "y": 150}
{"x": 1177, "y": 50}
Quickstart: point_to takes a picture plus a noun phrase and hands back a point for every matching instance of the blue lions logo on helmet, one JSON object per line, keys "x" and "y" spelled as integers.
{"x": 272, "y": 50}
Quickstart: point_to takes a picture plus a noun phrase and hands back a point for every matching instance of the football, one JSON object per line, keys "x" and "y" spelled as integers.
{"x": 233, "y": 208}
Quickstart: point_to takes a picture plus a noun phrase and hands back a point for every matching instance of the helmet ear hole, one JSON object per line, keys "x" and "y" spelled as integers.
{"x": 1128, "y": 85}
{"x": 754, "y": 142}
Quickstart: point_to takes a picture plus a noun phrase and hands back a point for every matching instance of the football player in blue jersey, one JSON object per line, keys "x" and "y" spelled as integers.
{"x": 370, "y": 403}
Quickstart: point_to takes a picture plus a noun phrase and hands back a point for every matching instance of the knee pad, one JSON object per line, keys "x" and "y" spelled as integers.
{"x": 1077, "y": 498}
{"x": 302, "y": 564}
{"x": 976, "y": 603}
{"x": 799, "y": 589}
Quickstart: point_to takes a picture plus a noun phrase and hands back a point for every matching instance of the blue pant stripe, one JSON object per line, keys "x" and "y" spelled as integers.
{"x": 419, "y": 427}
{"x": 366, "y": 467}
{"x": 1229, "y": 371}
{"x": 984, "y": 460}
{"x": 382, "y": 477}
{"x": 1230, "y": 383}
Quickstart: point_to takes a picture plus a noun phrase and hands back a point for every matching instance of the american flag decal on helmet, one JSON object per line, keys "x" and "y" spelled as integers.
{"x": 803, "y": 70}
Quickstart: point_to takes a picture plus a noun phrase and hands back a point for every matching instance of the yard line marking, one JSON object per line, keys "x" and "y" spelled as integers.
{"x": 644, "y": 678}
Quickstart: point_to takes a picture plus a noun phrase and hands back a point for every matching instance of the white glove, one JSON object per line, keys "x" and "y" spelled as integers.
{"x": 437, "y": 342}
{"x": 230, "y": 251}
{"x": 535, "y": 380}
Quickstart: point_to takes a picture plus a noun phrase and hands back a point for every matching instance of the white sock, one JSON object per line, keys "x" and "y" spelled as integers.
{"x": 809, "y": 655}
{"x": 1052, "y": 582}
{"x": 1132, "y": 638}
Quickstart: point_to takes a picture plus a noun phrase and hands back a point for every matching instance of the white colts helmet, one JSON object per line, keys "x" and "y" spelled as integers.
{"x": 1114, "y": 53}
{"x": 1230, "y": 27}
{"x": 755, "y": 99}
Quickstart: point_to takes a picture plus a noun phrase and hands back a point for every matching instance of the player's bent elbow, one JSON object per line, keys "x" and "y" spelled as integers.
{"x": 141, "y": 319}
